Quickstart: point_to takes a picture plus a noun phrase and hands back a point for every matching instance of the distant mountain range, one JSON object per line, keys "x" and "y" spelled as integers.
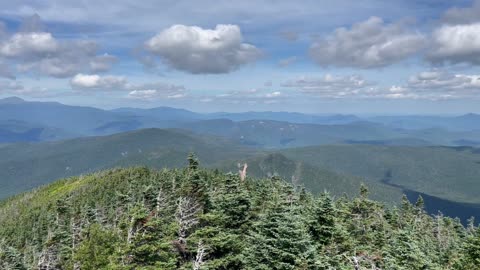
{"x": 24, "y": 121}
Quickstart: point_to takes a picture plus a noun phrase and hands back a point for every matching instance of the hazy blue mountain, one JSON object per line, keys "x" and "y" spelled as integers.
{"x": 67, "y": 121}
{"x": 75, "y": 119}
{"x": 19, "y": 131}
{"x": 162, "y": 113}
{"x": 11, "y": 100}
{"x": 167, "y": 113}
{"x": 467, "y": 122}
{"x": 292, "y": 117}
{"x": 40, "y": 121}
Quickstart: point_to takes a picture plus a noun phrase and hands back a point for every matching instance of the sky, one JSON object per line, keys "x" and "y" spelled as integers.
{"x": 364, "y": 57}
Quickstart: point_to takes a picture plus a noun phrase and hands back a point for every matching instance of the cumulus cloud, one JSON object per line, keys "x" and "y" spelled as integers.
{"x": 430, "y": 85}
{"x": 17, "y": 88}
{"x": 157, "y": 91}
{"x": 201, "y": 51}
{"x": 445, "y": 84}
{"x": 32, "y": 49}
{"x": 367, "y": 44}
{"x": 456, "y": 44}
{"x": 250, "y": 96}
{"x": 149, "y": 91}
{"x": 102, "y": 63}
{"x": 348, "y": 87}
{"x": 29, "y": 44}
{"x": 85, "y": 81}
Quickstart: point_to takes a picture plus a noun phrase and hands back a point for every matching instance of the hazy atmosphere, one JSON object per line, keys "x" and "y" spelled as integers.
{"x": 320, "y": 57}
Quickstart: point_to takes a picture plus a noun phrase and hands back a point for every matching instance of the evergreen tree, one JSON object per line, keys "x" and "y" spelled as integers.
{"x": 280, "y": 240}
{"x": 471, "y": 252}
{"x": 193, "y": 218}
{"x": 97, "y": 249}
{"x": 322, "y": 225}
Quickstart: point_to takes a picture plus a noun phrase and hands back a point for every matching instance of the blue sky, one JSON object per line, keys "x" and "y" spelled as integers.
{"x": 366, "y": 57}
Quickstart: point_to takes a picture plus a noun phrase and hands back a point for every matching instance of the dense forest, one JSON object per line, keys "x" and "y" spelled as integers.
{"x": 194, "y": 218}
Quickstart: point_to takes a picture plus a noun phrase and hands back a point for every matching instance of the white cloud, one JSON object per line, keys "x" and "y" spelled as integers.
{"x": 155, "y": 91}
{"x": 434, "y": 85}
{"x": 84, "y": 81}
{"x": 153, "y": 94}
{"x": 200, "y": 51}
{"x": 445, "y": 82}
{"x": 329, "y": 85}
{"x": 17, "y": 88}
{"x": 147, "y": 92}
{"x": 456, "y": 44}
{"x": 34, "y": 50}
{"x": 28, "y": 44}
{"x": 250, "y": 96}
{"x": 367, "y": 44}
{"x": 273, "y": 94}
{"x": 102, "y": 63}
{"x": 348, "y": 87}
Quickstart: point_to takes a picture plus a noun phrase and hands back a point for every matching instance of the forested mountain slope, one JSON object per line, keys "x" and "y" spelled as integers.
{"x": 451, "y": 173}
{"x": 202, "y": 219}
{"x": 29, "y": 165}
{"x": 315, "y": 179}
{"x": 439, "y": 173}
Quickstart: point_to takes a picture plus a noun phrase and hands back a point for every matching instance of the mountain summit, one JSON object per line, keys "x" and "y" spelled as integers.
{"x": 11, "y": 100}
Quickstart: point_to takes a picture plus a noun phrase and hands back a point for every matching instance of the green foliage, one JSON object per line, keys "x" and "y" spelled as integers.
{"x": 141, "y": 218}
{"x": 97, "y": 248}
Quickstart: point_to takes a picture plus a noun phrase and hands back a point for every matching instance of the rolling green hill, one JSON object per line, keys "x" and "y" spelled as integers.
{"x": 316, "y": 179}
{"x": 29, "y": 165}
{"x": 445, "y": 172}
{"x": 279, "y": 134}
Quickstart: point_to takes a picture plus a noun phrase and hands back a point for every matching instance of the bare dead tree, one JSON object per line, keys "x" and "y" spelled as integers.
{"x": 186, "y": 216}
{"x": 199, "y": 259}
{"x": 48, "y": 259}
{"x": 160, "y": 202}
{"x": 76, "y": 229}
{"x": 366, "y": 259}
{"x": 243, "y": 172}
{"x": 356, "y": 263}
{"x": 133, "y": 228}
